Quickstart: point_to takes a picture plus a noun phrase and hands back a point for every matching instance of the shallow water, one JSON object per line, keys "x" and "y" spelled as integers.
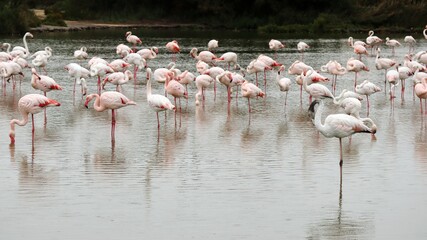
{"x": 208, "y": 174}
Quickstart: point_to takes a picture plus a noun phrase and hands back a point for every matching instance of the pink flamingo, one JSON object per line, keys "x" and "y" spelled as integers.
{"x": 383, "y": 63}
{"x": 256, "y": 66}
{"x": 118, "y": 79}
{"x": 31, "y": 103}
{"x": 359, "y": 47}
{"x": 174, "y": 48}
{"x": 392, "y": 77}
{"x": 315, "y": 90}
{"x": 367, "y": 88}
{"x": 100, "y": 69}
{"x": 302, "y": 47}
{"x": 411, "y": 43}
{"x": 404, "y": 73}
{"x": 352, "y": 43}
{"x": 148, "y": 53}
{"x": 206, "y": 56}
{"x": 340, "y": 126}
{"x": 186, "y": 78}
{"x": 133, "y": 39}
{"x": 421, "y": 92}
{"x": 202, "y": 82}
{"x": 373, "y": 41}
{"x": 212, "y": 45}
{"x": 201, "y": 67}
{"x": 123, "y": 50}
{"x": 81, "y": 54}
{"x": 109, "y": 100}
{"x": 229, "y": 58}
{"x": 79, "y": 74}
{"x": 250, "y": 90}
{"x": 226, "y": 78}
{"x": 354, "y": 65}
{"x": 177, "y": 90}
{"x": 157, "y": 102}
{"x": 283, "y": 82}
{"x": 334, "y": 68}
{"x": 393, "y": 43}
{"x": 275, "y": 45}
{"x": 137, "y": 61}
{"x": 213, "y": 72}
{"x": 350, "y": 102}
{"x": 119, "y": 65}
{"x": 43, "y": 82}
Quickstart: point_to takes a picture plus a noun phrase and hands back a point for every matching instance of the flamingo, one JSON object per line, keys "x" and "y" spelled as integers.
{"x": 4, "y": 56}
{"x": 174, "y": 48}
{"x": 340, "y": 126}
{"x": 119, "y": 65}
{"x": 30, "y": 103}
{"x": 118, "y": 79}
{"x": 213, "y": 72}
{"x": 10, "y": 70}
{"x": 393, "y": 43}
{"x": 81, "y": 54}
{"x": 148, "y": 53}
{"x": 24, "y": 49}
{"x": 109, "y": 100}
{"x": 373, "y": 41}
{"x": 411, "y": 43}
{"x": 367, "y": 88}
{"x": 100, "y": 69}
{"x": 283, "y": 82}
{"x": 229, "y": 58}
{"x": 46, "y": 52}
{"x": 43, "y": 82}
{"x": 206, "y": 56}
{"x": 133, "y": 39}
{"x": 315, "y": 90}
{"x": 157, "y": 102}
{"x": 123, "y": 50}
{"x": 79, "y": 74}
{"x": 420, "y": 90}
{"x": 226, "y": 78}
{"x": 383, "y": 63}
{"x": 137, "y": 61}
{"x": 201, "y": 66}
{"x": 256, "y": 66}
{"x": 393, "y": 78}
{"x": 350, "y": 104}
{"x": 334, "y": 68}
{"x": 212, "y": 45}
{"x": 250, "y": 90}
{"x": 96, "y": 60}
{"x": 359, "y": 47}
{"x": 8, "y": 55}
{"x": 421, "y": 57}
{"x": 186, "y": 78}
{"x": 302, "y": 47}
{"x": 176, "y": 89}
{"x": 404, "y": 73}
{"x": 202, "y": 82}
{"x": 275, "y": 45}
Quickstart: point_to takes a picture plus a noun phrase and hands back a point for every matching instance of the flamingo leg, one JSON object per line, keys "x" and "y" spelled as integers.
{"x": 421, "y": 106}
{"x": 249, "y": 105}
{"x": 367, "y": 103}
{"x": 32, "y": 130}
{"x": 99, "y": 85}
{"x": 113, "y": 125}
{"x": 158, "y": 121}
{"x": 256, "y": 78}
{"x": 135, "y": 69}
{"x": 214, "y": 90}
{"x": 355, "y": 80}
{"x": 341, "y": 161}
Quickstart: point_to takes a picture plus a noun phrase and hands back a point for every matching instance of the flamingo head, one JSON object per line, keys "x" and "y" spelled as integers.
{"x": 12, "y": 137}
{"x": 88, "y": 99}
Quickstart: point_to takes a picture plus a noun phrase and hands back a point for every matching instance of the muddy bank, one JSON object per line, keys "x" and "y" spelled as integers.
{"x": 92, "y": 25}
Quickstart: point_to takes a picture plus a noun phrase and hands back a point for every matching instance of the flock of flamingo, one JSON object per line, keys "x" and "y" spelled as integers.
{"x": 209, "y": 73}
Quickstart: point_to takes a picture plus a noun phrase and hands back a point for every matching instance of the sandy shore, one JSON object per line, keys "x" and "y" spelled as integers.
{"x": 91, "y": 25}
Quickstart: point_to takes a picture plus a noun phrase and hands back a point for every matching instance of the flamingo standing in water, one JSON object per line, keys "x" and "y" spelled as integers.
{"x": 81, "y": 54}
{"x": 302, "y": 47}
{"x": 367, "y": 88}
{"x": 148, "y": 54}
{"x": 229, "y": 58}
{"x": 340, "y": 126}
{"x": 393, "y": 78}
{"x": 24, "y": 50}
{"x": 133, "y": 39}
{"x": 420, "y": 90}
{"x": 79, "y": 74}
{"x": 283, "y": 82}
{"x": 202, "y": 82}
{"x": 212, "y": 45}
{"x": 109, "y": 101}
{"x": 383, "y": 63}
{"x": 186, "y": 78}
{"x": 157, "y": 102}
{"x": 411, "y": 43}
{"x": 393, "y": 43}
{"x": 100, "y": 69}
{"x": 206, "y": 56}
{"x": 354, "y": 65}
{"x": 174, "y": 48}
{"x": 177, "y": 90}
{"x": 359, "y": 47}
{"x": 275, "y": 45}
{"x": 118, "y": 79}
{"x": 315, "y": 90}
{"x": 404, "y": 73}
{"x": 334, "y": 68}
{"x": 137, "y": 61}
{"x": 250, "y": 90}
{"x": 31, "y": 103}
{"x": 373, "y": 41}
{"x": 123, "y": 50}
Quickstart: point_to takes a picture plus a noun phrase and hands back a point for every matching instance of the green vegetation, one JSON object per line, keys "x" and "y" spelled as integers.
{"x": 271, "y": 16}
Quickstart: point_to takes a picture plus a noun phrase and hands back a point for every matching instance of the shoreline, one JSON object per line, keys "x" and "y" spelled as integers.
{"x": 93, "y": 25}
